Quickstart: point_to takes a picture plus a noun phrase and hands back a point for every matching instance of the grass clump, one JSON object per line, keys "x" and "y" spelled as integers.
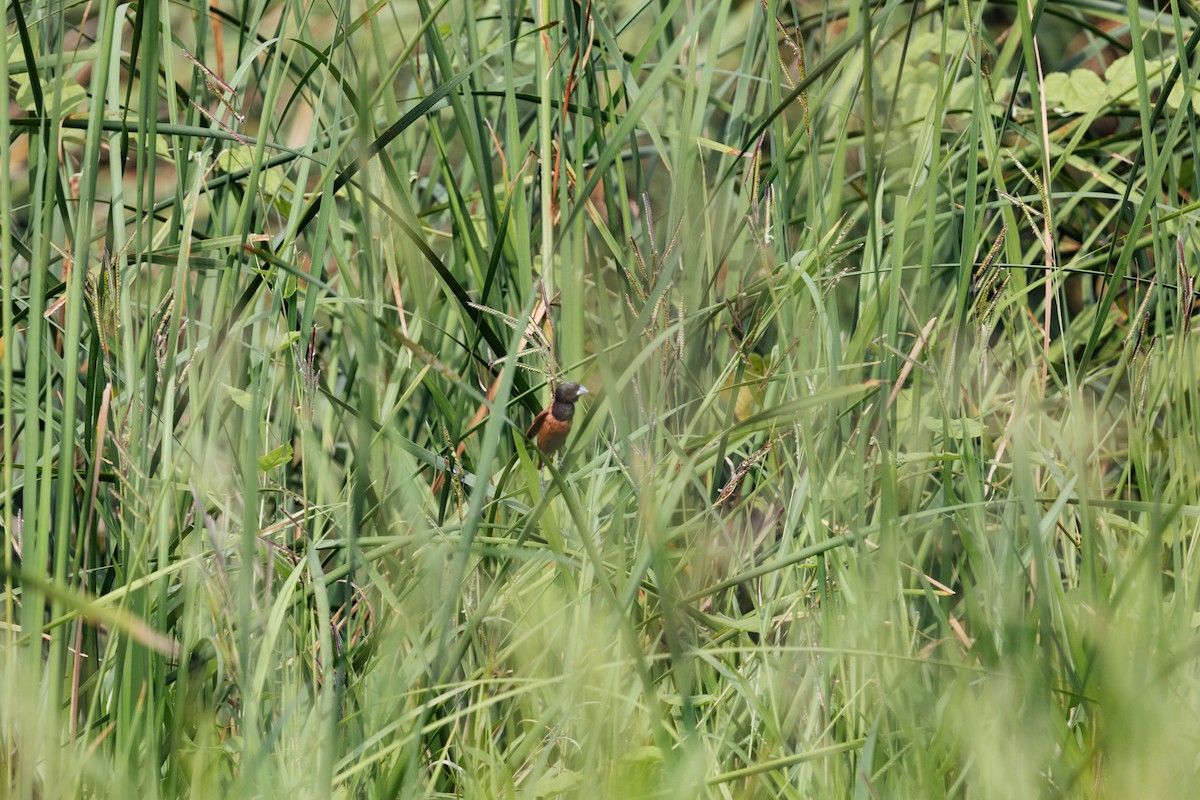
{"x": 885, "y": 485}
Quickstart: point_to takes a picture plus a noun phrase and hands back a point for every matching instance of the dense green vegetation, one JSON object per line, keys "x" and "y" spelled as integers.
{"x": 887, "y": 482}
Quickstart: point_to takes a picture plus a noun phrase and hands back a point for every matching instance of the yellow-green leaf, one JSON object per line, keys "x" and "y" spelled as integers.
{"x": 1078, "y": 93}
{"x": 239, "y": 396}
{"x": 277, "y": 457}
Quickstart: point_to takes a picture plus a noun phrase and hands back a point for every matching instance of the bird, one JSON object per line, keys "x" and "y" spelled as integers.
{"x": 551, "y": 426}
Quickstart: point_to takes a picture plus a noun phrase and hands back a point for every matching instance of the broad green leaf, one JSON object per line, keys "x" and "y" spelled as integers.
{"x": 1078, "y": 93}
{"x": 239, "y": 396}
{"x": 277, "y": 457}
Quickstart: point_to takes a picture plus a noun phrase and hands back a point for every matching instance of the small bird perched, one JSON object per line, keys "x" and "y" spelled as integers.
{"x": 552, "y": 425}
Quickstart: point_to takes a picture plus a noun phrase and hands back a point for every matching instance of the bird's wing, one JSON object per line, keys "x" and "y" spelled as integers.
{"x": 538, "y": 421}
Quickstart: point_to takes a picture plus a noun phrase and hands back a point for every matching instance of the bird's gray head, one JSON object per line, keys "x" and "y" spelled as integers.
{"x": 569, "y": 392}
